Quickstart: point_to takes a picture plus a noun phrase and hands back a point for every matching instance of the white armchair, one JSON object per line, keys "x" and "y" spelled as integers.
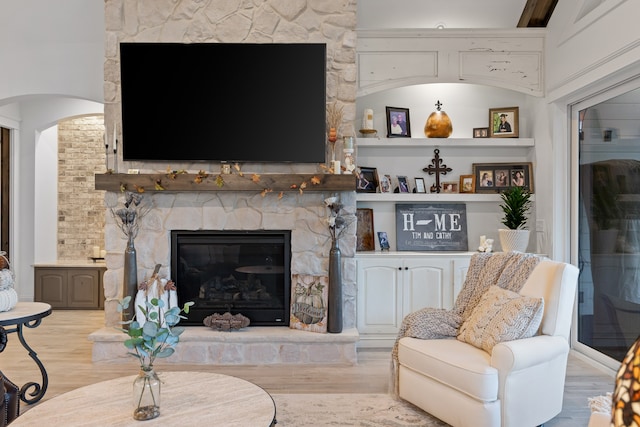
{"x": 519, "y": 384}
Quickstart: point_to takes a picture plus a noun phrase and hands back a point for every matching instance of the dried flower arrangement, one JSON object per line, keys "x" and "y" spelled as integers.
{"x": 334, "y": 120}
{"x": 337, "y": 222}
{"x": 134, "y": 210}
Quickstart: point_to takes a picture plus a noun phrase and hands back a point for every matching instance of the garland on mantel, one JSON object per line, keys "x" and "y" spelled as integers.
{"x": 203, "y": 176}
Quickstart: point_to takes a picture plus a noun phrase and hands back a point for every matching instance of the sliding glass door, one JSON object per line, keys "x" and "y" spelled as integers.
{"x": 608, "y": 150}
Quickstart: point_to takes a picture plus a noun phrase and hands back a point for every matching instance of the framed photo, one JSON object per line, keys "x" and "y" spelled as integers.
{"x": 449, "y": 187}
{"x": 503, "y": 122}
{"x": 497, "y": 177}
{"x": 467, "y": 183}
{"x": 367, "y": 180}
{"x": 385, "y": 183}
{"x": 481, "y": 132}
{"x": 403, "y": 185}
{"x": 420, "y": 188}
{"x": 398, "y": 123}
{"x": 364, "y": 230}
{"x": 384, "y": 240}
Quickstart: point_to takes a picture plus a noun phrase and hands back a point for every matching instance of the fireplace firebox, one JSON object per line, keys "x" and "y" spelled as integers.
{"x": 246, "y": 272}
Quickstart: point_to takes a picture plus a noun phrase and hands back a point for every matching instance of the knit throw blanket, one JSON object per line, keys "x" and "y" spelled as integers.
{"x": 508, "y": 270}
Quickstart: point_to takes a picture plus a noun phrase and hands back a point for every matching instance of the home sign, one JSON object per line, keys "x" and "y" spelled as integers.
{"x": 431, "y": 227}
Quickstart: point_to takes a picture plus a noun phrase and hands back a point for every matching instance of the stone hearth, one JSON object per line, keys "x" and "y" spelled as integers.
{"x": 260, "y": 345}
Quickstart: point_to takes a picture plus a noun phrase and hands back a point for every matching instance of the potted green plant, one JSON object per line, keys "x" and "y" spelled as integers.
{"x": 516, "y": 203}
{"x": 156, "y": 335}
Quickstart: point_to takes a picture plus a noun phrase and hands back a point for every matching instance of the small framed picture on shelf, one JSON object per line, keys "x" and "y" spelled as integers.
{"x": 367, "y": 180}
{"x": 449, "y": 187}
{"x": 364, "y": 231}
{"x": 384, "y": 240}
{"x": 497, "y": 177}
{"x": 467, "y": 183}
{"x": 398, "y": 122}
{"x": 420, "y": 188}
{"x": 403, "y": 184}
{"x": 503, "y": 122}
{"x": 385, "y": 183}
{"x": 481, "y": 132}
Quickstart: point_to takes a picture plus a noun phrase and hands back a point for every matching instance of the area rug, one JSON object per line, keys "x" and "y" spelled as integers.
{"x": 362, "y": 410}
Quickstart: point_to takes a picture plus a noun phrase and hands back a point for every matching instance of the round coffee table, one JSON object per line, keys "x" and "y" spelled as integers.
{"x": 187, "y": 398}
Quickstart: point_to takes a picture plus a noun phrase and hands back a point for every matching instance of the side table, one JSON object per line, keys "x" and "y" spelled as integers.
{"x": 28, "y": 314}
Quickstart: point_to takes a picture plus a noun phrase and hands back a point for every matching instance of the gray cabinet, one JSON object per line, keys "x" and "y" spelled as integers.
{"x": 70, "y": 287}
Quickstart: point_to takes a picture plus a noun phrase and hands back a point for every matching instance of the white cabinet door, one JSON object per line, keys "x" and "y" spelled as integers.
{"x": 379, "y": 302}
{"x": 426, "y": 282}
{"x": 390, "y": 286}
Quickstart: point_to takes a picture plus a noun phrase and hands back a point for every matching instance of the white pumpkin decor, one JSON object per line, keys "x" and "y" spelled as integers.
{"x": 8, "y": 295}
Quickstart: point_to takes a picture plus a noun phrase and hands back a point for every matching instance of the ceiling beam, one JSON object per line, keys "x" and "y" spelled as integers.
{"x": 536, "y": 13}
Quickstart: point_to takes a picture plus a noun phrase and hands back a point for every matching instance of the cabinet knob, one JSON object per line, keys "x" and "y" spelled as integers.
{"x": 400, "y": 268}
{"x": 406, "y": 268}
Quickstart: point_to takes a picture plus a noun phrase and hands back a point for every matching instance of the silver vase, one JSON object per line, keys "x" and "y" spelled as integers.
{"x": 130, "y": 282}
{"x": 334, "y": 322}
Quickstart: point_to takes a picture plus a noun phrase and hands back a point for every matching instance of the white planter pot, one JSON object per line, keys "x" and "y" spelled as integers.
{"x": 514, "y": 240}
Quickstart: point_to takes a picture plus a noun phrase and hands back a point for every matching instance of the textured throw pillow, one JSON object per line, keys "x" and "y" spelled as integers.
{"x": 501, "y": 315}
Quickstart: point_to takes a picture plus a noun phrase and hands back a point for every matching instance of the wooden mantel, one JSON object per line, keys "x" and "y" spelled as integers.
{"x": 232, "y": 182}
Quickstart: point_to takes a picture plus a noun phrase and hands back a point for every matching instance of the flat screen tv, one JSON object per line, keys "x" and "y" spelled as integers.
{"x": 228, "y": 102}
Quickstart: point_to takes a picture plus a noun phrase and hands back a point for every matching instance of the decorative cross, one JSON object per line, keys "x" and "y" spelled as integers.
{"x": 436, "y": 167}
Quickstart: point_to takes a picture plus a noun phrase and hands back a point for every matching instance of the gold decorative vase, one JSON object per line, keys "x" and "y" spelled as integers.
{"x": 438, "y": 124}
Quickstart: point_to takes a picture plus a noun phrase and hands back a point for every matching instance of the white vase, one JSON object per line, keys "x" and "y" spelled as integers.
{"x": 514, "y": 240}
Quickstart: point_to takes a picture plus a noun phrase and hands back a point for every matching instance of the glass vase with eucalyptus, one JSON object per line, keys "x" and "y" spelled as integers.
{"x": 146, "y": 394}
{"x": 151, "y": 333}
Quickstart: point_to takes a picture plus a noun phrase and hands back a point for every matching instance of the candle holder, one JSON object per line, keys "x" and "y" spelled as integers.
{"x": 348, "y": 151}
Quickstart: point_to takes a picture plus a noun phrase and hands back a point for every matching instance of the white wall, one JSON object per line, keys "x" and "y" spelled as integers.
{"x": 378, "y": 14}
{"x": 581, "y": 51}
{"x": 51, "y": 47}
{"x": 53, "y": 56}
{"x": 46, "y": 195}
{"x": 585, "y": 55}
{"x": 37, "y": 115}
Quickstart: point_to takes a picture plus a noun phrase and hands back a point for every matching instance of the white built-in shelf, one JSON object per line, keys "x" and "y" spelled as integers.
{"x": 430, "y": 197}
{"x": 445, "y": 142}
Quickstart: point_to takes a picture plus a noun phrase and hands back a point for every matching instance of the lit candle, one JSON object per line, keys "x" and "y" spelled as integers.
{"x": 347, "y": 143}
{"x": 483, "y": 240}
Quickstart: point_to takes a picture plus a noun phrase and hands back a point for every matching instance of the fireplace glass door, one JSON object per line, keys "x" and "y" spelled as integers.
{"x": 245, "y": 272}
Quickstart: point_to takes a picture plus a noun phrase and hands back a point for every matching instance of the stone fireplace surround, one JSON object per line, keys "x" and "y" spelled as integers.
{"x": 304, "y": 214}
{"x": 329, "y": 21}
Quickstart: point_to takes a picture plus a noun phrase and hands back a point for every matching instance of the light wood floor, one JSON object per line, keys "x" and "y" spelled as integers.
{"x": 62, "y": 345}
